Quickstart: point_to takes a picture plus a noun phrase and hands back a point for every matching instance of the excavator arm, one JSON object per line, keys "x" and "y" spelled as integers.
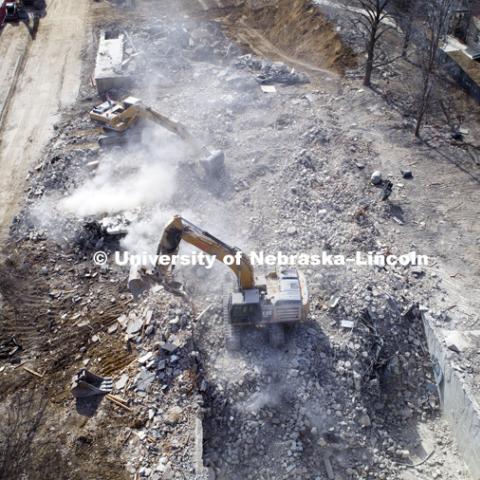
{"x": 175, "y": 127}
{"x": 179, "y": 229}
{"x": 120, "y": 116}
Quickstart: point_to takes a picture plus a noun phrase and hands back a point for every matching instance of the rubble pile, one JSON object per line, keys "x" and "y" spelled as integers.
{"x": 146, "y": 348}
{"x": 345, "y": 396}
{"x": 163, "y": 389}
{"x": 271, "y": 72}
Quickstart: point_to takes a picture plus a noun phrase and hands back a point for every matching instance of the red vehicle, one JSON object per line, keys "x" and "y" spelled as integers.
{"x": 3, "y": 11}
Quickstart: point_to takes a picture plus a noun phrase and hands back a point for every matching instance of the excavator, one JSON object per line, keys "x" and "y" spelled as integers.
{"x": 274, "y": 301}
{"x": 120, "y": 116}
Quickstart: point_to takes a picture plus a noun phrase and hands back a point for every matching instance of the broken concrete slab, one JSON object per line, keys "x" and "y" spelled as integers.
{"x": 458, "y": 400}
{"x": 121, "y": 382}
{"x": 144, "y": 380}
{"x": 169, "y": 346}
{"x": 134, "y": 325}
{"x": 145, "y": 358}
{"x": 461, "y": 341}
{"x": 109, "y": 64}
{"x": 198, "y": 450}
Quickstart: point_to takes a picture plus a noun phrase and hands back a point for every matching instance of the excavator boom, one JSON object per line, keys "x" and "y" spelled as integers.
{"x": 174, "y": 127}
{"x": 179, "y": 229}
{"x": 120, "y": 116}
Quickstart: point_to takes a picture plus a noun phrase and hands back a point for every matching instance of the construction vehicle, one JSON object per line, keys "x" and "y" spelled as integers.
{"x": 13, "y": 11}
{"x": 16, "y": 11}
{"x": 120, "y": 116}
{"x": 276, "y": 300}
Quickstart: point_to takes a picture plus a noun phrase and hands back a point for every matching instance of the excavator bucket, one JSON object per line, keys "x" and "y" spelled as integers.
{"x": 87, "y": 384}
{"x": 214, "y": 165}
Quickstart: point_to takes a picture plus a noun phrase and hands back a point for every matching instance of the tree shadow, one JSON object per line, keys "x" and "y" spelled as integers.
{"x": 451, "y": 160}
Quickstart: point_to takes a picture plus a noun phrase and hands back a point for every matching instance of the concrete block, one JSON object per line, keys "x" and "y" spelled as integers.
{"x": 459, "y": 403}
{"x": 109, "y": 63}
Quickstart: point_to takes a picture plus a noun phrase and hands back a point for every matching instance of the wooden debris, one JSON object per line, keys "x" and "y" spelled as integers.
{"x": 33, "y": 372}
{"x": 119, "y": 401}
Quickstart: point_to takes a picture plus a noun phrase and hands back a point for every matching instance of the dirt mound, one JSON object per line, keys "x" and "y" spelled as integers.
{"x": 299, "y": 29}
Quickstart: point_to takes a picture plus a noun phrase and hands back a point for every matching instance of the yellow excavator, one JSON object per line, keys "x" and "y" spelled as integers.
{"x": 275, "y": 300}
{"x": 120, "y": 116}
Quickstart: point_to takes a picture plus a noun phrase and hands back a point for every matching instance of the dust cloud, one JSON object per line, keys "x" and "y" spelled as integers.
{"x": 128, "y": 179}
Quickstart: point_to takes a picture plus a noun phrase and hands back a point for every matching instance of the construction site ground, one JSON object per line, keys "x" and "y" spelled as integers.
{"x": 345, "y": 403}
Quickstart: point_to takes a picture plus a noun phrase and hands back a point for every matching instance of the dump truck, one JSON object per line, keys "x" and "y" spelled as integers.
{"x": 273, "y": 301}
{"x": 119, "y": 116}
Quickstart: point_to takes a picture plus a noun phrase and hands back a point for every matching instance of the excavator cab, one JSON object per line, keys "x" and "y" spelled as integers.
{"x": 116, "y": 116}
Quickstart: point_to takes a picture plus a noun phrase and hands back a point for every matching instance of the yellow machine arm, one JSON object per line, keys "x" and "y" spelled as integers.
{"x": 179, "y": 229}
{"x": 120, "y": 116}
{"x": 175, "y": 127}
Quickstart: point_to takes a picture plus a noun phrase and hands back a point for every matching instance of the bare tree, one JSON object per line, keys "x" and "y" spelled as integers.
{"x": 372, "y": 17}
{"x": 404, "y": 12}
{"x": 19, "y": 427}
{"x": 25, "y": 452}
{"x": 437, "y": 16}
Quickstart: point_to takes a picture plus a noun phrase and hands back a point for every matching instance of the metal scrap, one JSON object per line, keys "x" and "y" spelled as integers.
{"x": 9, "y": 347}
{"x": 87, "y": 384}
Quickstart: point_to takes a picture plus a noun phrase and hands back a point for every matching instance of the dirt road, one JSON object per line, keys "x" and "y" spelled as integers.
{"x": 14, "y": 42}
{"x": 29, "y": 115}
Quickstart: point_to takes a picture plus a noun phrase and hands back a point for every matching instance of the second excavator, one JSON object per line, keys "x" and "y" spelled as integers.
{"x": 119, "y": 116}
{"x": 273, "y": 301}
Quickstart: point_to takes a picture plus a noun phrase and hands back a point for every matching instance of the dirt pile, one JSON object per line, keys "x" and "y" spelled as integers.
{"x": 299, "y": 29}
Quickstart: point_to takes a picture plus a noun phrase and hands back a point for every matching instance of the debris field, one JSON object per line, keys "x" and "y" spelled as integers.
{"x": 308, "y": 153}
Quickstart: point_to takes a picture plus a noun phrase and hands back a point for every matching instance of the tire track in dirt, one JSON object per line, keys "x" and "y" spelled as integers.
{"x": 14, "y": 44}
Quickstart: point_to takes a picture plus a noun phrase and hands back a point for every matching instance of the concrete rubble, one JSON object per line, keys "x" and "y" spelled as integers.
{"x": 112, "y": 69}
{"x": 351, "y": 396}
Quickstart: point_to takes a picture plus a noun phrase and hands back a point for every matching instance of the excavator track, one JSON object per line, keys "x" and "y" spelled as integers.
{"x": 231, "y": 333}
{"x": 276, "y": 335}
